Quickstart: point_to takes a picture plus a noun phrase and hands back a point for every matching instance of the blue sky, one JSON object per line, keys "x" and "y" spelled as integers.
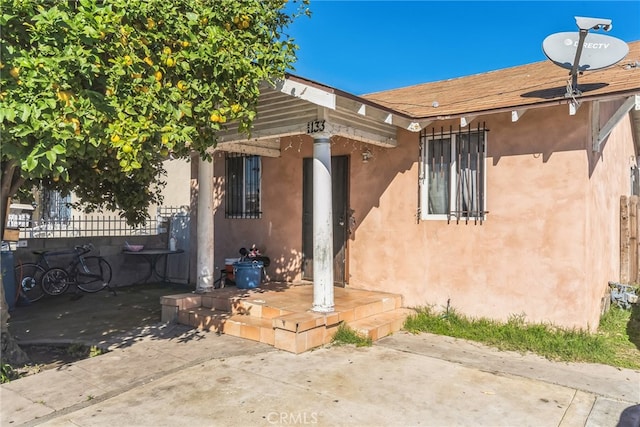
{"x": 368, "y": 46}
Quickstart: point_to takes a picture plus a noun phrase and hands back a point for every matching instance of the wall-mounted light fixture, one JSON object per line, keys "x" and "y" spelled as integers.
{"x": 366, "y": 155}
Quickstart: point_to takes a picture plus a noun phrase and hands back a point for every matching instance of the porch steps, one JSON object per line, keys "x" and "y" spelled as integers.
{"x": 281, "y": 317}
{"x": 380, "y": 325}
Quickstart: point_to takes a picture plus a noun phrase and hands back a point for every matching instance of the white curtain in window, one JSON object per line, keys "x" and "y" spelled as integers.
{"x": 438, "y": 178}
{"x": 468, "y": 175}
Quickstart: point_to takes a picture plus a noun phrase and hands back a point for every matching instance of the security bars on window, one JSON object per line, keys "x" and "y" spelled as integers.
{"x": 452, "y": 173}
{"x": 242, "y": 186}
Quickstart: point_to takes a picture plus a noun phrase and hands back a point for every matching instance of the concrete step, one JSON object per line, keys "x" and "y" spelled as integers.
{"x": 382, "y": 324}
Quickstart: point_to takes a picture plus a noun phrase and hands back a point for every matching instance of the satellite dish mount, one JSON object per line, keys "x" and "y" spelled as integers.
{"x": 584, "y": 24}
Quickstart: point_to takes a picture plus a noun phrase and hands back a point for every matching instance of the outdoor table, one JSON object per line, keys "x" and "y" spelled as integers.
{"x": 152, "y": 256}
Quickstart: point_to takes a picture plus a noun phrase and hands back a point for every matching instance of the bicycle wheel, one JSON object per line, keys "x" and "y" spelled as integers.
{"x": 28, "y": 279}
{"x": 55, "y": 281}
{"x": 96, "y": 276}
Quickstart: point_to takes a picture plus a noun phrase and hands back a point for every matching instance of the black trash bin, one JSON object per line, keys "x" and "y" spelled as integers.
{"x": 8, "y": 278}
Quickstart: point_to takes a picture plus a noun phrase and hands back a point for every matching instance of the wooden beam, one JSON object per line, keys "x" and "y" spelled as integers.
{"x": 633, "y": 102}
{"x": 248, "y": 148}
{"x": 573, "y": 107}
{"x": 308, "y": 93}
{"x": 360, "y": 135}
{"x": 464, "y": 121}
{"x": 517, "y": 115}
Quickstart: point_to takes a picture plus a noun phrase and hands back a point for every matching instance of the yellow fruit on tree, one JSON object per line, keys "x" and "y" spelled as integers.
{"x": 166, "y": 50}
{"x": 158, "y": 75}
{"x": 215, "y": 117}
{"x": 181, "y": 85}
{"x": 128, "y": 60}
{"x": 15, "y": 72}
{"x": 164, "y": 139}
{"x": 150, "y": 23}
{"x": 170, "y": 62}
{"x": 76, "y": 125}
{"x": 148, "y": 60}
{"x": 115, "y": 138}
{"x": 127, "y": 148}
{"x": 236, "y": 108}
{"x": 65, "y": 96}
{"x": 185, "y": 43}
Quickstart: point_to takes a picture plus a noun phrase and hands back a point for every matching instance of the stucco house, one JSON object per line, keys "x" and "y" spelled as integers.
{"x": 494, "y": 194}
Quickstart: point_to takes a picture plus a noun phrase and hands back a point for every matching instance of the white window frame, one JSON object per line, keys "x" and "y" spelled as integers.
{"x": 426, "y": 139}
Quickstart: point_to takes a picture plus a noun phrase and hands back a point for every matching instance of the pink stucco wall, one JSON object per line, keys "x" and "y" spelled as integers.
{"x": 546, "y": 250}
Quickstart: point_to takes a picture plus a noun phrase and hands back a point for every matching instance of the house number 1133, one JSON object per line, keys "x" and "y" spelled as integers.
{"x": 315, "y": 126}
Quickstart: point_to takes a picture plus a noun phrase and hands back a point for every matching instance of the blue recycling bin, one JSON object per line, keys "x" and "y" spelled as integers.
{"x": 8, "y": 279}
{"x": 248, "y": 274}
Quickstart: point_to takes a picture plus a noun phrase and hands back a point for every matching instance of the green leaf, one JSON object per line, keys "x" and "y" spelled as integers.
{"x": 26, "y": 111}
{"x": 58, "y": 149}
{"x": 51, "y": 156}
{"x": 30, "y": 164}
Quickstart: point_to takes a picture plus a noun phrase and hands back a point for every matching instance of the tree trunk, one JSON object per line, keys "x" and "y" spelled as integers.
{"x": 11, "y": 351}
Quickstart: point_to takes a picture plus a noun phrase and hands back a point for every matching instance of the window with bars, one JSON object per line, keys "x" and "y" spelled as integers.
{"x": 242, "y": 190}
{"x": 452, "y": 173}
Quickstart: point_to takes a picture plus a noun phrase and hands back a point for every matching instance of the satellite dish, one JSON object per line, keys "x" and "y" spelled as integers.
{"x": 598, "y": 50}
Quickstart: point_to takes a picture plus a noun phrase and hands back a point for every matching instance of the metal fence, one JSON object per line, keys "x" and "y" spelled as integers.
{"x": 97, "y": 226}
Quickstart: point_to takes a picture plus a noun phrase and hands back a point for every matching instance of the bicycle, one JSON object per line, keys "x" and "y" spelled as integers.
{"x": 89, "y": 274}
{"x": 28, "y": 276}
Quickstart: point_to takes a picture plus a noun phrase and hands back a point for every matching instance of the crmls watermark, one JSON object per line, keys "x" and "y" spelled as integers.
{"x": 292, "y": 418}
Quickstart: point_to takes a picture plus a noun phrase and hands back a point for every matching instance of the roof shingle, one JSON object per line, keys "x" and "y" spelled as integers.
{"x": 528, "y": 85}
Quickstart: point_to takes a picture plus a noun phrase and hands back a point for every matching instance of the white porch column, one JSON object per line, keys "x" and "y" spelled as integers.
{"x": 322, "y": 226}
{"x": 205, "y": 264}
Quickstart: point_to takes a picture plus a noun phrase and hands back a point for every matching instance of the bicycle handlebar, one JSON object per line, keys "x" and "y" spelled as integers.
{"x": 83, "y": 249}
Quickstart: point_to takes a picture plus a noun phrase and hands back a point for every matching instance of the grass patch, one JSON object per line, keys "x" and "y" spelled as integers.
{"x": 6, "y": 373}
{"x": 346, "y": 335}
{"x": 616, "y": 343}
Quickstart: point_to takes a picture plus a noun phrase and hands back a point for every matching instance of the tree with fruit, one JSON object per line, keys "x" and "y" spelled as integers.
{"x": 95, "y": 94}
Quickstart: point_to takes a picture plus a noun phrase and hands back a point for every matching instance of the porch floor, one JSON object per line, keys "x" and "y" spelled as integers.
{"x": 280, "y": 314}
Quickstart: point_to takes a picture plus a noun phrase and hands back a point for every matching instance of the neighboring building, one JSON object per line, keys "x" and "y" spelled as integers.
{"x": 493, "y": 194}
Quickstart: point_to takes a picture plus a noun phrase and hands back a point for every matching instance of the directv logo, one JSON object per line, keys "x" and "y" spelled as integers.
{"x": 569, "y": 42}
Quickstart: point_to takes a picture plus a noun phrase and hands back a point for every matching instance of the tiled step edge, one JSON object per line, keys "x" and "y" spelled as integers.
{"x": 203, "y": 318}
{"x": 380, "y": 325}
{"x": 250, "y": 327}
